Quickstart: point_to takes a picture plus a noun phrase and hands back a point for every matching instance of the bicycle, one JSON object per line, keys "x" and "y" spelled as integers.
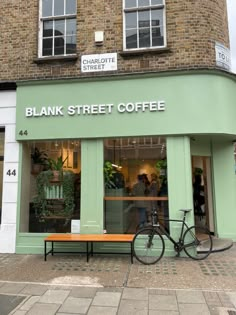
{"x": 148, "y": 245}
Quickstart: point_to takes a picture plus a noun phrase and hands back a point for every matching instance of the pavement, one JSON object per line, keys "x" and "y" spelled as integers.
{"x": 109, "y": 284}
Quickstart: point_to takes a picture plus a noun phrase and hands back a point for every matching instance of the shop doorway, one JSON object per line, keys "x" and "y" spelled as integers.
{"x": 202, "y": 192}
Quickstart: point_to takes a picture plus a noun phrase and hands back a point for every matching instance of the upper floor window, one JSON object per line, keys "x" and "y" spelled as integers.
{"x": 144, "y": 24}
{"x": 57, "y": 28}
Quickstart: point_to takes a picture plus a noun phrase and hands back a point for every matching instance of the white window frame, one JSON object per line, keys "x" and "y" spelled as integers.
{"x": 51, "y": 18}
{"x": 144, "y": 8}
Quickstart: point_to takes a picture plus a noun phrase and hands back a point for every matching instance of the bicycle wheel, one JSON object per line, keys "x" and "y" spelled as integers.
{"x": 197, "y": 242}
{"x": 148, "y": 246}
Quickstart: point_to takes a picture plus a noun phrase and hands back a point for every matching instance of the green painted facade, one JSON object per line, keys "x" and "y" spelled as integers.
{"x": 198, "y": 120}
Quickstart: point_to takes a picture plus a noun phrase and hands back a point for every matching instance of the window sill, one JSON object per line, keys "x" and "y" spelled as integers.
{"x": 145, "y": 51}
{"x": 55, "y": 59}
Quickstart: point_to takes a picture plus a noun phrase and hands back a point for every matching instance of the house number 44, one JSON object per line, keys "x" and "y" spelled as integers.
{"x": 11, "y": 172}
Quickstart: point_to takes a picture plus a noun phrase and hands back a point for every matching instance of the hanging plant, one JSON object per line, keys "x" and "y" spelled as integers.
{"x": 197, "y": 171}
{"x": 108, "y": 175}
{"x": 161, "y": 164}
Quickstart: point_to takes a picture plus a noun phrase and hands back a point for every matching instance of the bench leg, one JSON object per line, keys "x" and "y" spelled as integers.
{"x": 87, "y": 250}
{"x": 131, "y": 252}
{"x": 45, "y": 250}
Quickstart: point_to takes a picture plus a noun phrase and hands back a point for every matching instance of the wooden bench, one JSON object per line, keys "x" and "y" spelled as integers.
{"x": 89, "y": 239}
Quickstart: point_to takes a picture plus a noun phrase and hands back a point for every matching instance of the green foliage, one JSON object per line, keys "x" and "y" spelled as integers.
{"x": 43, "y": 182}
{"x": 39, "y": 157}
{"x": 40, "y": 201}
{"x": 198, "y": 171}
{"x": 57, "y": 164}
{"x": 68, "y": 192}
{"x": 161, "y": 164}
{"x": 108, "y": 175}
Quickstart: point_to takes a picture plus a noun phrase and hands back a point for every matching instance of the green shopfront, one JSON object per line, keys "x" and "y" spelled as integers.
{"x": 104, "y": 132}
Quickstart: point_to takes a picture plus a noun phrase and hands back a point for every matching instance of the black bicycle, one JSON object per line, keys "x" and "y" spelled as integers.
{"x": 149, "y": 245}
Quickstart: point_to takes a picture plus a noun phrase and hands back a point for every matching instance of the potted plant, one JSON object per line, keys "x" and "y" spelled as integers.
{"x": 108, "y": 175}
{"x": 39, "y": 160}
{"x": 161, "y": 166}
{"x": 56, "y": 166}
{"x": 54, "y": 198}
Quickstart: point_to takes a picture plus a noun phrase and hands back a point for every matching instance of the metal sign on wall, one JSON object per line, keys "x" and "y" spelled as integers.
{"x": 222, "y": 56}
{"x": 99, "y": 62}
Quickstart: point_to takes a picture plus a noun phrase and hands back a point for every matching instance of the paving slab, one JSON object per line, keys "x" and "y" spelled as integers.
{"x": 107, "y": 299}
{"x": 40, "y": 309}
{"x": 133, "y": 307}
{"x": 75, "y": 305}
{"x": 163, "y": 302}
{"x": 190, "y": 296}
{"x": 102, "y": 310}
{"x": 54, "y": 296}
{"x": 9, "y": 302}
{"x": 135, "y": 294}
{"x": 194, "y": 309}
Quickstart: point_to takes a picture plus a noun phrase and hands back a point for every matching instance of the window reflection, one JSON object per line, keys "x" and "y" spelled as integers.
{"x": 46, "y": 8}
{"x": 59, "y": 7}
{"x": 70, "y": 6}
{"x": 54, "y": 30}
{"x": 130, "y": 3}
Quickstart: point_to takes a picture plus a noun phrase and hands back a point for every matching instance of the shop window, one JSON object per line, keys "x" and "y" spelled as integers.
{"x": 51, "y": 189}
{"x": 2, "y": 139}
{"x": 144, "y": 24}
{"x": 128, "y": 161}
{"x": 57, "y": 36}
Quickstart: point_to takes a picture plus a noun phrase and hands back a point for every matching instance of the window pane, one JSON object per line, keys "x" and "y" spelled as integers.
{"x": 47, "y": 28}
{"x": 46, "y": 8}
{"x": 51, "y": 204}
{"x": 157, "y": 37}
{"x": 71, "y": 27}
{"x": 154, "y": 2}
{"x": 157, "y": 18}
{"x": 144, "y": 19}
{"x": 124, "y": 160}
{"x": 131, "y": 39}
{"x": 144, "y": 38}
{"x": 59, "y": 46}
{"x": 47, "y": 47}
{"x": 59, "y": 27}
{"x": 2, "y": 138}
{"x": 71, "y": 44}
{"x": 130, "y": 3}
{"x": 58, "y": 7}
{"x": 131, "y": 20}
{"x": 143, "y": 3}
{"x": 70, "y": 6}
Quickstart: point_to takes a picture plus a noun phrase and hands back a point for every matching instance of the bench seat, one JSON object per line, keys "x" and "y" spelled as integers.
{"x": 89, "y": 239}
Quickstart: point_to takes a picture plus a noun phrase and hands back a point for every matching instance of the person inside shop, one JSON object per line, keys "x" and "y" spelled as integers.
{"x": 163, "y": 192}
{"x": 139, "y": 190}
{"x": 198, "y": 196}
{"x": 153, "y": 192}
{"x": 77, "y": 194}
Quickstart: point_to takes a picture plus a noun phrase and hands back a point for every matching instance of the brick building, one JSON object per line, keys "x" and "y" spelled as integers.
{"x": 130, "y": 82}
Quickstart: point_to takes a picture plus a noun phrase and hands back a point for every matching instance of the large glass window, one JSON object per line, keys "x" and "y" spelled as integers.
{"x": 2, "y": 139}
{"x": 135, "y": 178}
{"x": 144, "y": 22}
{"x": 50, "y": 200}
{"x": 57, "y": 27}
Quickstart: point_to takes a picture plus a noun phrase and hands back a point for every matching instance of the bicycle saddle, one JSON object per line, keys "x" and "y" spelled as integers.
{"x": 185, "y": 210}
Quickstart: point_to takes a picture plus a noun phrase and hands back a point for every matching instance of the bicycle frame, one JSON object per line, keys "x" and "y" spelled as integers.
{"x": 179, "y": 246}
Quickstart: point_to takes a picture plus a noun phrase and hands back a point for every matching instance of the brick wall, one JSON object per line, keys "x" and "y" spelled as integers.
{"x": 193, "y": 26}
